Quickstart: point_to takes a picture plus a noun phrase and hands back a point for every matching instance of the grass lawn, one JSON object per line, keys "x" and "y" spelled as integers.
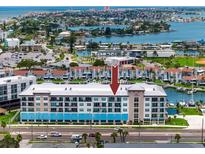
{"x": 177, "y": 121}
{"x": 58, "y": 81}
{"x": 176, "y": 61}
{"x": 39, "y": 81}
{"x": 189, "y": 111}
{"x": 132, "y": 81}
{"x": 8, "y": 116}
{"x": 76, "y": 81}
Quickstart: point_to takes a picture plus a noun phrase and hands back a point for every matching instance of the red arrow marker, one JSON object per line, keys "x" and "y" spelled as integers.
{"x": 114, "y": 83}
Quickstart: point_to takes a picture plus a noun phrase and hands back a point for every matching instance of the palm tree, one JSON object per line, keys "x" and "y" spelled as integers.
{"x": 114, "y": 135}
{"x": 85, "y": 135}
{"x": 120, "y": 132}
{"x": 124, "y": 135}
{"x": 177, "y": 137}
{"x": 3, "y": 125}
{"x": 97, "y": 136}
{"x": 19, "y": 138}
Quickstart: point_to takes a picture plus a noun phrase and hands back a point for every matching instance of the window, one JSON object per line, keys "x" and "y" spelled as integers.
{"x": 124, "y": 104}
{"x": 147, "y": 99}
{"x": 135, "y": 115}
{"x": 124, "y": 98}
{"x": 45, "y": 109}
{"x": 154, "y": 115}
{"x": 124, "y": 110}
{"x": 23, "y": 86}
{"x": 109, "y": 109}
{"x": 37, "y": 109}
{"x": 53, "y": 109}
{"x": 45, "y": 98}
{"x": 146, "y": 110}
{"x": 162, "y": 99}
{"x": 161, "y": 110}
{"x": 23, "y": 104}
{"x": 81, "y": 99}
{"x": 109, "y": 104}
{"x": 117, "y": 110}
{"x": 154, "y": 99}
{"x": 111, "y": 99}
{"x": 45, "y": 104}
{"x": 117, "y": 104}
{"x": 95, "y": 98}
{"x": 96, "y": 104}
{"x": 103, "y": 104}
{"x": 146, "y": 104}
{"x": 88, "y": 104}
{"x": 147, "y": 115}
{"x": 118, "y": 99}
{"x": 161, "y": 104}
{"x": 104, "y": 110}
{"x": 136, "y": 110}
{"x": 30, "y": 99}
{"x": 103, "y": 98}
{"x": 136, "y": 104}
{"x": 23, "y": 99}
{"x": 88, "y": 99}
{"x": 53, "y": 104}
{"x": 38, "y": 98}
{"x": 96, "y": 110}
{"x": 154, "y": 110}
{"x": 136, "y": 99}
{"x": 81, "y": 104}
{"x": 38, "y": 104}
{"x": 154, "y": 104}
{"x": 81, "y": 110}
{"x": 161, "y": 115}
{"x": 30, "y": 109}
{"x": 88, "y": 110}
{"x": 24, "y": 109}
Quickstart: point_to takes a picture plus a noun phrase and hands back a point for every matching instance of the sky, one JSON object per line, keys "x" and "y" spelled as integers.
{"x": 102, "y": 2}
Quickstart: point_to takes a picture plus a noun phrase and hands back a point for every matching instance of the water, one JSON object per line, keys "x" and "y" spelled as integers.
{"x": 171, "y": 111}
{"x": 188, "y": 53}
{"x": 183, "y": 31}
{"x": 83, "y": 53}
{"x": 175, "y": 96}
{"x": 95, "y": 27}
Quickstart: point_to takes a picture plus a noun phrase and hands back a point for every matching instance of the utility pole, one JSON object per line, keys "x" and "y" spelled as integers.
{"x": 139, "y": 130}
{"x": 32, "y": 131}
{"x": 202, "y": 131}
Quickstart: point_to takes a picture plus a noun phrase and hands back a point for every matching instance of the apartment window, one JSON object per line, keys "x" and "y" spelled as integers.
{"x": 103, "y": 98}
{"x": 124, "y": 110}
{"x": 30, "y": 99}
{"x": 53, "y": 98}
{"x": 154, "y": 104}
{"x": 109, "y": 104}
{"x": 161, "y": 104}
{"x": 45, "y": 104}
{"x": 30, "y": 82}
{"x": 88, "y": 104}
{"x": 30, "y": 109}
{"x": 135, "y": 116}
{"x": 124, "y": 104}
{"x": 136, "y": 99}
{"x": 154, "y": 110}
{"x": 96, "y": 104}
{"x": 96, "y": 110}
{"x": 23, "y": 86}
{"x": 109, "y": 109}
{"x": 162, "y": 99}
{"x": 136, "y": 110}
{"x": 118, "y": 99}
{"x": 117, "y": 104}
{"x": 104, "y": 110}
{"x": 23, "y": 99}
{"x": 81, "y": 110}
{"x": 53, "y": 110}
{"x": 23, "y": 103}
{"x": 147, "y": 99}
{"x": 161, "y": 110}
{"x": 14, "y": 88}
{"x": 147, "y": 115}
{"x": 14, "y": 96}
{"x": 37, "y": 109}
{"x": 81, "y": 99}
{"x": 53, "y": 104}
{"x": 30, "y": 104}
{"x": 117, "y": 110}
{"x": 45, "y": 109}
{"x": 67, "y": 99}
{"x": 88, "y": 110}
{"x": 124, "y": 98}
{"x": 81, "y": 104}
{"x": 154, "y": 99}
{"x": 95, "y": 98}
{"x": 111, "y": 99}
{"x": 161, "y": 115}
{"x": 38, "y": 104}
{"x": 88, "y": 99}
{"x": 146, "y": 110}
{"x": 74, "y": 110}
{"x": 103, "y": 104}
{"x": 24, "y": 109}
{"x": 38, "y": 98}
{"x": 66, "y": 104}
{"x": 136, "y": 104}
{"x": 60, "y": 110}
{"x": 45, "y": 98}
{"x": 146, "y": 104}
{"x": 154, "y": 115}
{"x": 74, "y": 104}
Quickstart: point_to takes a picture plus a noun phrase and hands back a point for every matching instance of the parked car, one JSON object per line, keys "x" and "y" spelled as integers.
{"x": 56, "y": 134}
{"x": 41, "y": 137}
{"x": 76, "y": 138}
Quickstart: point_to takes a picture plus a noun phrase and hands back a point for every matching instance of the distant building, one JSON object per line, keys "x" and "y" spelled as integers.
{"x": 3, "y": 35}
{"x": 12, "y": 42}
{"x": 10, "y": 87}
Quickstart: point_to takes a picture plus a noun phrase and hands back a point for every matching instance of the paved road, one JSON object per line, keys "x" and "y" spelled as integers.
{"x": 135, "y": 135}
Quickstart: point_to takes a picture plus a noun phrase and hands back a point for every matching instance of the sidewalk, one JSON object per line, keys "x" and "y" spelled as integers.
{"x": 195, "y": 121}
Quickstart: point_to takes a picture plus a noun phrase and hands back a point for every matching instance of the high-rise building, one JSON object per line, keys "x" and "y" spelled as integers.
{"x": 83, "y": 103}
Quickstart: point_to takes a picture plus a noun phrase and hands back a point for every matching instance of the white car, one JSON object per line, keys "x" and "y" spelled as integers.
{"x": 56, "y": 134}
{"x": 42, "y": 137}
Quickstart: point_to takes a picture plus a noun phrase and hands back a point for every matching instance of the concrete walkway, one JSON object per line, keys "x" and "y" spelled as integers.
{"x": 195, "y": 121}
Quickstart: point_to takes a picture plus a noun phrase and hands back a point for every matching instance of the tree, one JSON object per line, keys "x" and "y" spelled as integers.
{"x": 19, "y": 138}
{"x": 28, "y": 63}
{"x": 120, "y": 131}
{"x": 114, "y": 135}
{"x": 71, "y": 41}
{"x": 98, "y": 140}
{"x": 9, "y": 142}
{"x": 124, "y": 135}
{"x": 84, "y": 136}
{"x": 92, "y": 46}
{"x": 99, "y": 62}
{"x": 3, "y": 124}
{"x": 73, "y": 64}
{"x": 177, "y": 137}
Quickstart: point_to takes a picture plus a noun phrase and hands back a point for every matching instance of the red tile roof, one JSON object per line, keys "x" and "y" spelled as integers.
{"x": 20, "y": 72}
{"x": 38, "y": 72}
{"x": 59, "y": 72}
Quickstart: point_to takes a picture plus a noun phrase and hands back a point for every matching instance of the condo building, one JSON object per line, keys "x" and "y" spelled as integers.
{"x": 93, "y": 102}
{"x": 10, "y": 87}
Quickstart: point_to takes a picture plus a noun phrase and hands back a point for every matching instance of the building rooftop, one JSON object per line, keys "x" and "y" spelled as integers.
{"x": 94, "y": 89}
{"x": 13, "y": 79}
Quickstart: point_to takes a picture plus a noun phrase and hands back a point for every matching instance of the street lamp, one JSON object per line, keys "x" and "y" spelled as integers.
{"x": 139, "y": 129}
{"x": 202, "y": 131}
